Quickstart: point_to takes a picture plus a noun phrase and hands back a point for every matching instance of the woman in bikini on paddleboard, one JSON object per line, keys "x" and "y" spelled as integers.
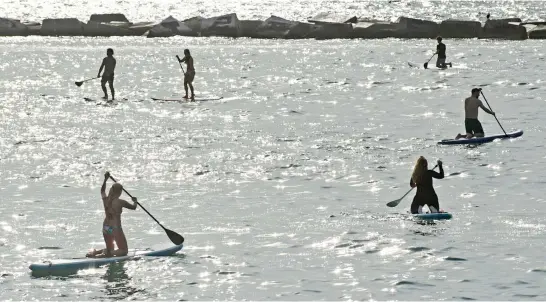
{"x": 111, "y": 227}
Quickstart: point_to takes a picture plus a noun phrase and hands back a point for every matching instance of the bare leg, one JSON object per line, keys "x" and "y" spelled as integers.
{"x": 103, "y": 85}
{"x": 112, "y": 89}
{"x": 191, "y": 89}
{"x": 186, "y": 89}
{"x": 93, "y": 253}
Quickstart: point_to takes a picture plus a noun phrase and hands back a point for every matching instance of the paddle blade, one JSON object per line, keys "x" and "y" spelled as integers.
{"x": 425, "y": 65}
{"x": 394, "y": 203}
{"x": 78, "y": 83}
{"x": 176, "y": 238}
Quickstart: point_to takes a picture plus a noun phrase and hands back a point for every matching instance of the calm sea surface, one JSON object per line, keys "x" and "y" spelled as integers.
{"x": 280, "y": 186}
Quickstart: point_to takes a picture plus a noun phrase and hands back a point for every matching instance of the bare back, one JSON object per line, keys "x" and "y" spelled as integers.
{"x": 189, "y": 63}
{"x": 109, "y": 66}
{"x": 113, "y": 210}
{"x": 471, "y": 106}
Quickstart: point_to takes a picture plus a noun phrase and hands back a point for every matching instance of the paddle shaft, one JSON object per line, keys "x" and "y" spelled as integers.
{"x": 179, "y": 63}
{"x": 426, "y": 64}
{"x": 140, "y": 205}
{"x": 431, "y": 58}
{"x": 493, "y": 115}
{"x": 90, "y": 79}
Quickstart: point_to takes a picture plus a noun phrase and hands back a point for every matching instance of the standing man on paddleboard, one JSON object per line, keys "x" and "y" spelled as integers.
{"x": 471, "y": 123}
{"x": 441, "y": 52}
{"x": 189, "y": 75}
{"x": 109, "y": 64}
{"x": 422, "y": 179}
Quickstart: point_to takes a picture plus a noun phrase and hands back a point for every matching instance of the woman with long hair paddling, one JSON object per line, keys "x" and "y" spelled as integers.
{"x": 422, "y": 179}
{"x": 111, "y": 227}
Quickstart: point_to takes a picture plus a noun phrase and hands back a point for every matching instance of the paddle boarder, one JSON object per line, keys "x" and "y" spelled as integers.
{"x": 111, "y": 228}
{"x": 471, "y": 123}
{"x": 189, "y": 75}
{"x": 422, "y": 179}
{"x": 109, "y": 64}
{"x": 441, "y": 52}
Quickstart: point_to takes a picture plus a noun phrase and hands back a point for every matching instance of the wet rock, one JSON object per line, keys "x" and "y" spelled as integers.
{"x": 12, "y": 27}
{"x": 98, "y": 29}
{"x": 170, "y": 27}
{"x": 224, "y": 26}
{"x": 62, "y": 27}
{"x": 460, "y": 29}
{"x": 416, "y": 28}
{"x": 402, "y": 28}
{"x": 108, "y": 18}
{"x": 328, "y": 18}
{"x": 503, "y": 29}
{"x": 141, "y": 28}
{"x": 302, "y": 31}
{"x": 539, "y": 32}
{"x": 196, "y": 24}
{"x": 376, "y": 30}
{"x": 333, "y": 31}
{"x": 274, "y": 28}
{"x": 248, "y": 27}
{"x": 33, "y": 28}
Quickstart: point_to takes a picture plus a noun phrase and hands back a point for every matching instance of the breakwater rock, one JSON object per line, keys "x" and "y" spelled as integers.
{"x": 322, "y": 26}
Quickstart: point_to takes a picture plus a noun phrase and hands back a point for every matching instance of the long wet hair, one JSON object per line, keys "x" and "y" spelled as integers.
{"x": 421, "y": 167}
{"x": 115, "y": 191}
{"x": 113, "y": 194}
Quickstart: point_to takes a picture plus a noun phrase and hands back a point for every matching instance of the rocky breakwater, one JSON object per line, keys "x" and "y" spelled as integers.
{"x": 505, "y": 29}
{"x": 12, "y": 27}
{"x": 322, "y": 26}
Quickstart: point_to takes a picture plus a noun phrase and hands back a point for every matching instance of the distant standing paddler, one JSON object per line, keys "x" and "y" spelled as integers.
{"x": 109, "y": 64}
{"x": 441, "y": 52}
{"x": 189, "y": 75}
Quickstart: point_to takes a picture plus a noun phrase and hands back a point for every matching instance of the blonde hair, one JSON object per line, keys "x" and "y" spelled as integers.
{"x": 115, "y": 192}
{"x": 421, "y": 166}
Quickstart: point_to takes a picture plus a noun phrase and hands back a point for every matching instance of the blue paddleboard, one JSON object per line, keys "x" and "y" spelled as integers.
{"x": 56, "y": 266}
{"x": 433, "y": 216}
{"x": 480, "y": 140}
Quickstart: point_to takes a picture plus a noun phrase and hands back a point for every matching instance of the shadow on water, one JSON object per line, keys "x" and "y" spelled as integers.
{"x": 118, "y": 287}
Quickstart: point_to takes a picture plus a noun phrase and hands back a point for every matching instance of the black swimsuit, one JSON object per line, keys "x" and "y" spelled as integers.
{"x": 425, "y": 192}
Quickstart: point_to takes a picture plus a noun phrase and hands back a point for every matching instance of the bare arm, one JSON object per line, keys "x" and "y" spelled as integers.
{"x": 103, "y": 188}
{"x": 129, "y": 206}
{"x": 486, "y": 110}
{"x": 101, "y": 67}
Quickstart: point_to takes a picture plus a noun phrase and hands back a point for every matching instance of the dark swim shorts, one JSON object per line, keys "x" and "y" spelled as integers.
{"x": 108, "y": 78}
{"x": 473, "y": 126}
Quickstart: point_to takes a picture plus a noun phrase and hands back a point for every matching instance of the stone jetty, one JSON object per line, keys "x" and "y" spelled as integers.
{"x": 322, "y": 26}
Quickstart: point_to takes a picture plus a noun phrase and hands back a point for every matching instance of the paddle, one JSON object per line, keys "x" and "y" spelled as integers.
{"x": 492, "y": 110}
{"x": 394, "y": 203}
{"x": 176, "y": 238}
{"x": 426, "y": 64}
{"x": 179, "y": 63}
{"x": 81, "y": 82}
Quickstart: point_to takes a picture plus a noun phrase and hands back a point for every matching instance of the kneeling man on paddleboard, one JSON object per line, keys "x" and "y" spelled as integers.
{"x": 471, "y": 123}
{"x": 422, "y": 179}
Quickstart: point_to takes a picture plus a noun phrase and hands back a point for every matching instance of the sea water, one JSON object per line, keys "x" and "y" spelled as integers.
{"x": 279, "y": 187}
